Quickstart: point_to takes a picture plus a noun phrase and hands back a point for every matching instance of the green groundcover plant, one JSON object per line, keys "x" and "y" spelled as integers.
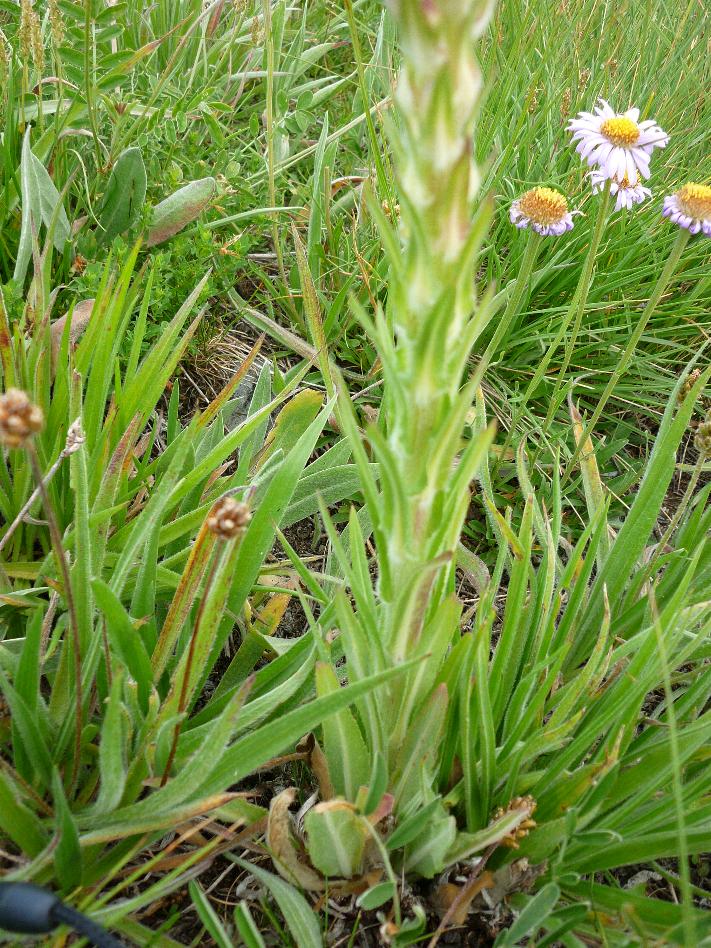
{"x": 131, "y": 544}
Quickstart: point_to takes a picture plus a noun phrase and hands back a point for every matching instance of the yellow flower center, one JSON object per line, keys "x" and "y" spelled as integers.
{"x": 695, "y": 200}
{"x": 544, "y": 205}
{"x": 621, "y": 131}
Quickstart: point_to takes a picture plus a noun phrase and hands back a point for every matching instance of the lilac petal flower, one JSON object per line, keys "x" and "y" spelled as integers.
{"x": 619, "y": 145}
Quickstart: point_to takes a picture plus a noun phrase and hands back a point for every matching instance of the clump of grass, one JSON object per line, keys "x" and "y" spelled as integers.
{"x": 519, "y": 747}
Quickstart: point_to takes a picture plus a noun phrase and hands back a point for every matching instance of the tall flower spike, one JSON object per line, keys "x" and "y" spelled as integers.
{"x": 690, "y": 207}
{"x": 627, "y": 194}
{"x": 544, "y": 210}
{"x": 437, "y": 92}
{"x": 431, "y": 299}
{"x": 618, "y": 143}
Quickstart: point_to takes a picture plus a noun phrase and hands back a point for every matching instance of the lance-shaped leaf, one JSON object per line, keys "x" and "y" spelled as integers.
{"x": 179, "y": 210}
{"x": 124, "y": 196}
{"x": 41, "y": 204}
{"x": 346, "y": 753}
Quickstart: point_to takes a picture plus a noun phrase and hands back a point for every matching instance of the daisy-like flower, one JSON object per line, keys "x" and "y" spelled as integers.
{"x": 627, "y": 194}
{"x": 543, "y": 209}
{"x": 619, "y": 144}
{"x": 690, "y": 207}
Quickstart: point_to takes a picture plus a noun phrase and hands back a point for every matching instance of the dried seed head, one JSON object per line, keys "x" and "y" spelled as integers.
{"x": 25, "y": 32}
{"x": 228, "y": 518}
{"x": 257, "y": 32}
{"x": 687, "y": 385}
{"x": 702, "y": 441}
{"x": 31, "y": 35}
{"x": 565, "y": 103}
{"x": 19, "y": 418}
{"x": 36, "y": 43}
{"x": 5, "y": 58}
{"x": 75, "y": 438}
{"x": 56, "y": 22}
{"x": 526, "y": 807}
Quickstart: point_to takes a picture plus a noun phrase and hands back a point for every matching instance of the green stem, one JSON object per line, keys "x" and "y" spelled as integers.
{"x": 576, "y": 309}
{"x": 580, "y": 299}
{"x": 681, "y": 509}
{"x": 88, "y": 76}
{"x": 271, "y": 161}
{"x": 660, "y": 288}
{"x": 528, "y": 261}
{"x": 384, "y": 180}
{"x": 73, "y": 621}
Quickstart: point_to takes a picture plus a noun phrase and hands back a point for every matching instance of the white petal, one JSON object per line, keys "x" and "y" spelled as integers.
{"x": 632, "y": 114}
{"x": 631, "y": 169}
{"x": 604, "y": 152}
{"x": 591, "y": 144}
{"x": 606, "y": 109}
{"x": 652, "y": 137}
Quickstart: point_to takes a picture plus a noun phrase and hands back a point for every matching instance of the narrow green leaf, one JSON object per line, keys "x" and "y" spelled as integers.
{"x": 67, "y": 855}
{"x": 125, "y": 638}
{"x": 298, "y": 914}
{"x": 531, "y": 918}
{"x": 347, "y": 755}
{"x": 112, "y": 749}
{"x": 247, "y": 927}
{"x": 40, "y": 204}
{"x": 18, "y": 822}
{"x": 209, "y": 917}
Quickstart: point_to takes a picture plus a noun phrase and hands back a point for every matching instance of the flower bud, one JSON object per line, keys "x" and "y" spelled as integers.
{"x": 687, "y": 385}
{"x": 228, "y": 518}
{"x": 526, "y": 807}
{"x": 19, "y": 418}
{"x": 702, "y": 441}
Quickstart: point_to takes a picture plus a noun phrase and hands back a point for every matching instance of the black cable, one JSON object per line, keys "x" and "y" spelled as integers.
{"x": 85, "y": 926}
{"x": 29, "y": 910}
